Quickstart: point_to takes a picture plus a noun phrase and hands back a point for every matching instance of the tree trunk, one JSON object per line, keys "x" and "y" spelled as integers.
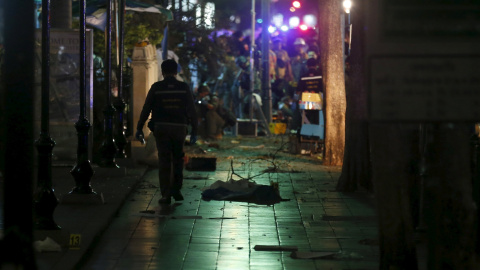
{"x": 356, "y": 170}
{"x": 331, "y": 44}
{"x": 394, "y": 158}
{"x": 450, "y": 209}
{"x": 61, "y": 14}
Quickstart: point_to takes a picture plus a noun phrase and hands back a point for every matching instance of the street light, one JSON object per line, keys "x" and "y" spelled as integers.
{"x": 347, "y": 5}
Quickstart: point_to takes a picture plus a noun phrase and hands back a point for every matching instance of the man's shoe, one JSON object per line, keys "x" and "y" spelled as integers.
{"x": 178, "y": 196}
{"x": 165, "y": 200}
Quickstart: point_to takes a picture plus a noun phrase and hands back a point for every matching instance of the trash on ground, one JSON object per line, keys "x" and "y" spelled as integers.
{"x": 311, "y": 255}
{"x": 148, "y": 212}
{"x": 242, "y": 190}
{"x": 341, "y": 255}
{"x": 275, "y": 248}
{"x": 234, "y": 141}
{"x": 245, "y": 147}
{"x": 214, "y": 145}
{"x": 153, "y": 215}
{"x": 187, "y": 217}
{"x": 195, "y": 177}
{"x": 222, "y": 218}
{"x": 47, "y": 245}
{"x": 310, "y": 191}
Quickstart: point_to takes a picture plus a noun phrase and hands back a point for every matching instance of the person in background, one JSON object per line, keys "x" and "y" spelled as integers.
{"x": 170, "y": 55}
{"x": 298, "y": 59}
{"x": 240, "y": 45}
{"x": 172, "y": 107}
{"x": 312, "y": 72}
{"x": 283, "y": 73}
{"x": 210, "y": 122}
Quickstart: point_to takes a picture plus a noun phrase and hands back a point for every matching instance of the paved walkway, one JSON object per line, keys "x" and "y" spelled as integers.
{"x": 198, "y": 234}
{"x": 131, "y": 231}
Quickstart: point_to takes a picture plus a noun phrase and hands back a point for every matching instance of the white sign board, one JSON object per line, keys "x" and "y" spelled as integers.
{"x": 442, "y": 88}
{"x": 64, "y": 107}
{"x": 422, "y": 60}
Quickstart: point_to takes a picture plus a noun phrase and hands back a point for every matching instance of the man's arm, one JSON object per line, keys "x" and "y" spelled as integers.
{"x": 147, "y": 108}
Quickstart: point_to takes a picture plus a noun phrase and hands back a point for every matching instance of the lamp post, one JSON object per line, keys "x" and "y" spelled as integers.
{"x": 82, "y": 172}
{"x": 252, "y": 58}
{"x": 120, "y": 105}
{"x": 266, "y": 87}
{"x": 347, "y": 5}
{"x": 45, "y": 200}
{"x": 108, "y": 148}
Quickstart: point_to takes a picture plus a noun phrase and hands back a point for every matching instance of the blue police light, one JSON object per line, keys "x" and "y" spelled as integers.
{"x": 259, "y": 21}
{"x": 284, "y": 28}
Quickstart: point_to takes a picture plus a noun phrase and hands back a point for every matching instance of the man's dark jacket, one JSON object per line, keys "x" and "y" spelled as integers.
{"x": 171, "y": 103}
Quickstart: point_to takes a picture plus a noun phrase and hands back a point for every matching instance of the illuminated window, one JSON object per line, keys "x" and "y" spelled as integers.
{"x": 206, "y": 15}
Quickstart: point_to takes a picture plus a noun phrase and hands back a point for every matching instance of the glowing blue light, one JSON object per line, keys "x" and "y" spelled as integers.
{"x": 271, "y": 29}
{"x": 259, "y": 20}
{"x": 284, "y": 28}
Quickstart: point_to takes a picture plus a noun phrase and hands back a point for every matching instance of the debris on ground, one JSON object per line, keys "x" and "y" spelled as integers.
{"x": 214, "y": 145}
{"x": 341, "y": 255}
{"x": 311, "y": 255}
{"x": 275, "y": 248}
{"x": 195, "y": 177}
{"x": 247, "y": 147}
{"x": 148, "y": 212}
{"x": 47, "y": 245}
{"x": 154, "y": 215}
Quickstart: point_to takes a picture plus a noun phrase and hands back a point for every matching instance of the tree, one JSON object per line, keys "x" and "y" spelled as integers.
{"x": 333, "y": 73}
{"x": 356, "y": 170}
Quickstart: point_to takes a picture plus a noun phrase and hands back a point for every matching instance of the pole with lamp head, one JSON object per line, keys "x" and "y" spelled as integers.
{"x": 347, "y": 5}
{"x": 252, "y": 56}
{"x": 109, "y": 148}
{"x": 82, "y": 172}
{"x": 45, "y": 200}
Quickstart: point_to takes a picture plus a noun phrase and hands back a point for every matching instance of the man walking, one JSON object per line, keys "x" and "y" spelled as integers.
{"x": 171, "y": 104}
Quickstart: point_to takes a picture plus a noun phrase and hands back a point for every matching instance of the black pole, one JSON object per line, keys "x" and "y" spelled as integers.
{"x": 82, "y": 172}
{"x": 16, "y": 250}
{"x": 266, "y": 89}
{"x": 45, "y": 200}
{"x": 120, "y": 105}
{"x": 108, "y": 148}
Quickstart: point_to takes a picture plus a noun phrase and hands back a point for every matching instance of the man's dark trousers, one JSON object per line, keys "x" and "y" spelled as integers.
{"x": 170, "y": 139}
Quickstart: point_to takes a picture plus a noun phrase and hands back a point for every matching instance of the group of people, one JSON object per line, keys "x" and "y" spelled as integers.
{"x": 286, "y": 70}
{"x": 175, "y": 107}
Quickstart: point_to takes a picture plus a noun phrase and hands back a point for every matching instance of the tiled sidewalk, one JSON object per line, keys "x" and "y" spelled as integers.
{"x": 315, "y": 218}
